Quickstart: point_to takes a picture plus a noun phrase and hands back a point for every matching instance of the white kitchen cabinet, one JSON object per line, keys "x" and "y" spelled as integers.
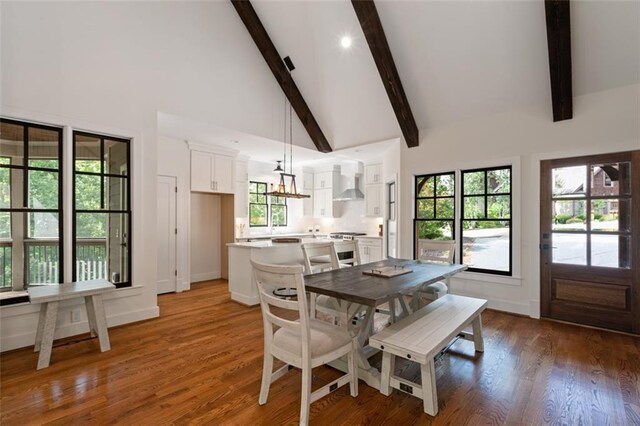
{"x": 373, "y": 200}
{"x": 370, "y": 249}
{"x": 373, "y": 174}
{"x": 212, "y": 172}
{"x": 323, "y": 202}
{"x": 241, "y": 200}
{"x": 323, "y": 180}
{"x": 307, "y": 188}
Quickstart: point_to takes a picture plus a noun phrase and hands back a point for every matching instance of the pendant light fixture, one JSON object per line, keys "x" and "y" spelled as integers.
{"x": 290, "y": 190}
{"x": 278, "y": 166}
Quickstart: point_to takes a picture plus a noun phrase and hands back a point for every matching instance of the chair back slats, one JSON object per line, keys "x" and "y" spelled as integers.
{"x": 436, "y": 250}
{"x": 349, "y": 247}
{"x": 268, "y": 276}
{"x": 281, "y": 322}
{"x": 312, "y": 250}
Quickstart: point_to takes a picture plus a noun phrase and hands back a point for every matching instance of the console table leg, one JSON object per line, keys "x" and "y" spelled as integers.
{"x": 100, "y": 322}
{"x": 91, "y": 316}
{"x": 47, "y": 334}
{"x": 41, "y": 320}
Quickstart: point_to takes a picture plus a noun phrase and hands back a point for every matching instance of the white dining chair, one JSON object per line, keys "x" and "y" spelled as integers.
{"x": 436, "y": 251}
{"x": 305, "y": 343}
{"x": 347, "y": 246}
{"x": 320, "y": 257}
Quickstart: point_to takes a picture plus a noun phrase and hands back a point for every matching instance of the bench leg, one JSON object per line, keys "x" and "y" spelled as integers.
{"x": 48, "y": 329}
{"x": 312, "y": 305}
{"x": 91, "y": 316}
{"x": 41, "y": 320}
{"x": 100, "y": 321}
{"x": 478, "y": 341}
{"x": 388, "y": 368}
{"x": 429, "y": 394}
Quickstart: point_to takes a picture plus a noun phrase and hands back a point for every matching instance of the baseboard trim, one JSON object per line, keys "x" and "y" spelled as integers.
{"x": 17, "y": 341}
{"x": 245, "y": 300}
{"x": 206, "y": 276}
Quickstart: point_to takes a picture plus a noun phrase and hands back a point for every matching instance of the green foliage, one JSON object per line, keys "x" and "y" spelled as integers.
{"x": 562, "y": 218}
{"x": 574, "y": 220}
{"x": 257, "y": 215}
{"x": 597, "y": 217}
{"x": 434, "y": 230}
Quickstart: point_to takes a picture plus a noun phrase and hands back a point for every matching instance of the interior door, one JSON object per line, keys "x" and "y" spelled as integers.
{"x": 166, "y": 234}
{"x": 589, "y": 242}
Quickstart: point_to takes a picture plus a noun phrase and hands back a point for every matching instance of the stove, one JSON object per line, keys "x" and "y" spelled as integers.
{"x": 345, "y": 236}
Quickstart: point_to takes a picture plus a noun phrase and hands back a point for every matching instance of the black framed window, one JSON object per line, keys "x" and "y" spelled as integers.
{"x": 485, "y": 223}
{"x": 101, "y": 208}
{"x": 435, "y": 207}
{"x": 278, "y": 211}
{"x": 391, "y": 196}
{"x": 31, "y": 234}
{"x": 258, "y": 207}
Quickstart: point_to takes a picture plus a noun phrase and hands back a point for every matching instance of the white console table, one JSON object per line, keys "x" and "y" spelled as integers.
{"x": 49, "y": 297}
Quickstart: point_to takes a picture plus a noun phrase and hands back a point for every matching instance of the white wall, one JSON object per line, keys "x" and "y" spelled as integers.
{"x": 603, "y": 122}
{"x": 205, "y": 237}
{"x": 110, "y": 67}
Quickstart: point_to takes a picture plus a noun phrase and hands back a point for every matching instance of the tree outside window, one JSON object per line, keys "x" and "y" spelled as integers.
{"x": 258, "y": 207}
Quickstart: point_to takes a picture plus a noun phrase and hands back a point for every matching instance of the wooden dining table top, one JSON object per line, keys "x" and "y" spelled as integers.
{"x": 352, "y": 285}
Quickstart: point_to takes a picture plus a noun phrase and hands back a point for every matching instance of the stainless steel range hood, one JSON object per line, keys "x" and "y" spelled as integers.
{"x": 351, "y": 194}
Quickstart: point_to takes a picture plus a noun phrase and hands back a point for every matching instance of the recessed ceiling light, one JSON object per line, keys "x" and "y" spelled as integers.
{"x": 234, "y": 141}
{"x": 346, "y": 42}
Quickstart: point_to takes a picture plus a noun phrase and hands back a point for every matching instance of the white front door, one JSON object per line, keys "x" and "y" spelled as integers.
{"x": 167, "y": 234}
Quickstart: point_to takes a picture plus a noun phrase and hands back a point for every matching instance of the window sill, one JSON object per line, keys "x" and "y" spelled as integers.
{"x": 488, "y": 278}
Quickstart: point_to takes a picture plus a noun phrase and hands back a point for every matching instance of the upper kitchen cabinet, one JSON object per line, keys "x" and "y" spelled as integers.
{"x": 373, "y": 174}
{"x": 212, "y": 172}
{"x": 326, "y": 186}
{"x": 373, "y": 190}
{"x": 307, "y": 187}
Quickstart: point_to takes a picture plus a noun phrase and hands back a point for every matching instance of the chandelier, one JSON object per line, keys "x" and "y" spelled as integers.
{"x": 287, "y": 186}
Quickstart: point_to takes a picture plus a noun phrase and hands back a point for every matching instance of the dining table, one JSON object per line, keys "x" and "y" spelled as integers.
{"x": 364, "y": 288}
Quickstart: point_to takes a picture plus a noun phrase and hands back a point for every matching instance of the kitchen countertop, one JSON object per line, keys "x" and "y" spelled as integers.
{"x": 289, "y": 234}
{"x": 269, "y": 244}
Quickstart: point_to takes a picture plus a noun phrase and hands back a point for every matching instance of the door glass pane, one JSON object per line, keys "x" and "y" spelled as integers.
{"x": 43, "y": 148}
{"x": 43, "y": 262}
{"x": 5, "y": 264}
{"x": 486, "y": 244}
{"x": 569, "y": 181}
{"x": 569, "y": 215}
{"x": 569, "y": 248}
{"x": 473, "y": 207}
{"x": 12, "y": 143}
{"x": 88, "y": 192}
{"x": 115, "y": 193}
{"x": 425, "y": 209}
{"x": 115, "y": 157}
{"x": 43, "y": 190}
{"x": 118, "y": 253}
{"x": 611, "y": 215}
{"x": 91, "y": 225}
{"x": 87, "y": 155}
{"x": 473, "y": 183}
{"x": 610, "y": 179}
{"x": 5, "y": 225}
{"x": 43, "y": 224}
{"x": 611, "y": 251}
{"x": 499, "y": 181}
{"x": 5, "y": 188}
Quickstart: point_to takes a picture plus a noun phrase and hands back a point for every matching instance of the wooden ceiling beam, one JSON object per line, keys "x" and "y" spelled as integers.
{"x": 270, "y": 54}
{"x": 559, "y": 45}
{"x": 377, "y": 41}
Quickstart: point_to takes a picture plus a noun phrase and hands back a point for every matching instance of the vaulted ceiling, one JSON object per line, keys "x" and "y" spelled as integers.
{"x": 456, "y": 60}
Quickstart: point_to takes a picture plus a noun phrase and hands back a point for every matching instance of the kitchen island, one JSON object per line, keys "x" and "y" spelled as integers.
{"x": 241, "y": 284}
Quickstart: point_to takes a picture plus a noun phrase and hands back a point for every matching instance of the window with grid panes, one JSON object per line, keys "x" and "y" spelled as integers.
{"x": 258, "y": 207}
{"x": 485, "y": 223}
{"x": 434, "y": 207}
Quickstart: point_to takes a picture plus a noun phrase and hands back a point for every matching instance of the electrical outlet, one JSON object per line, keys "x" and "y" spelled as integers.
{"x": 76, "y": 315}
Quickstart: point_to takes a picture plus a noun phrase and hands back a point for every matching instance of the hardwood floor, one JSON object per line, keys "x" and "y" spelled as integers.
{"x": 201, "y": 363}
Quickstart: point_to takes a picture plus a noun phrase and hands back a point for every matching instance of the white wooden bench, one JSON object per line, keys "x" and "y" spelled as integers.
{"x": 421, "y": 336}
{"x": 49, "y": 297}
